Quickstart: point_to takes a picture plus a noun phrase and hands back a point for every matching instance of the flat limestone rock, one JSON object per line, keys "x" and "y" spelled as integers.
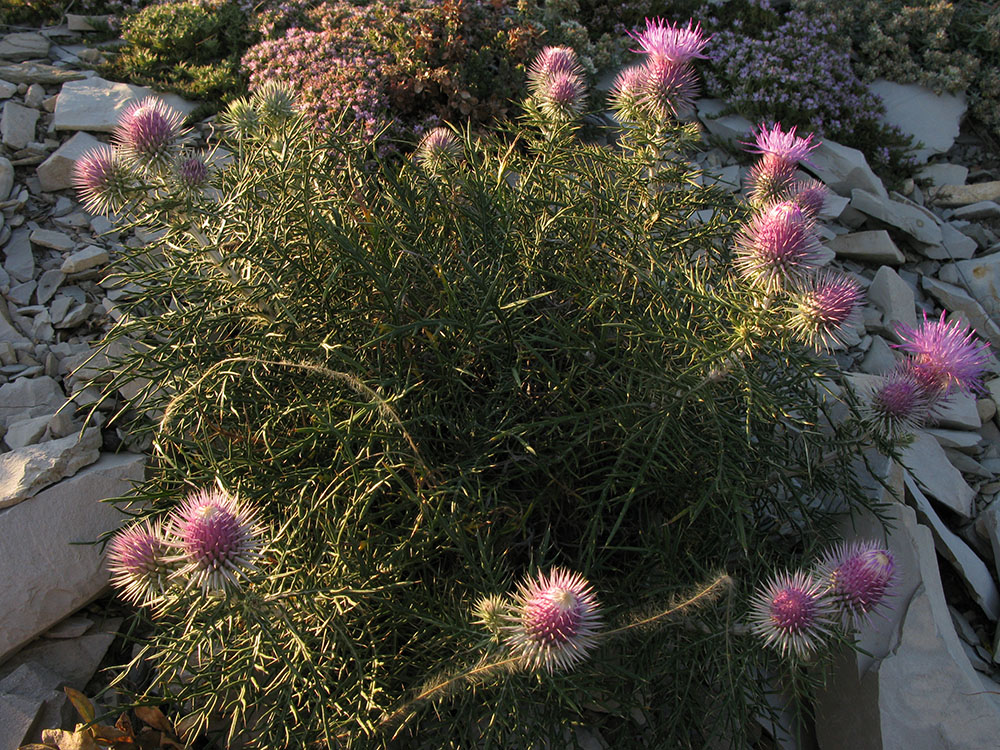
{"x": 894, "y": 297}
{"x": 873, "y": 247}
{"x": 25, "y": 471}
{"x": 929, "y": 465}
{"x": 17, "y": 125}
{"x": 56, "y": 172}
{"x": 19, "y": 261}
{"x": 963, "y": 195}
{"x": 980, "y": 277}
{"x": 933, "y": 119}
{"x": 96, "y": 104}
{"x": 732, "y": 129}
{"x": 17, "y": 715}
{"x": 44, "y": 578}
{"x": 30, "y": 73}
{"x": 29, "y": 397}
{"x": 843, "y": 169}
{"x": 6, "y": 177}
{"x": 916, "y": 222}
{"x": 25, "y": 45}
{"x": 973, "y": 570}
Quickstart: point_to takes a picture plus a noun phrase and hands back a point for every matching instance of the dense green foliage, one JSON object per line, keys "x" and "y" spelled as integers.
{"x": 188, "y": 48}
{"x": 435, "y": 381}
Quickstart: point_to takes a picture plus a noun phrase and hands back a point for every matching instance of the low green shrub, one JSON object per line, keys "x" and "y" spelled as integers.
{"x": 192, "y": 48}
{"x": 399, "y": 390}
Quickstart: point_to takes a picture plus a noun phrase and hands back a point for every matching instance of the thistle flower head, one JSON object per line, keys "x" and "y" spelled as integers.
{"x": 102, "y": 178}
{"x": 896, "y": 405}
{"x": 778, "y": 247}
{"x": 552, "y": 60}
{"x": 217, "y": 538}
{"x": 944, "y": 355}
{"x": 241, "y": 118}
{"x": 668, "y": 87}
{"x": 148, "y": 131}
{"x": 191, "y": 171}
{"x": 792, "y": 614}
{"x": 827, "y": 305}
{"x": 810, "y": 195}
{"x": 438, "y": 147}
{"x": 785, "y": 146}
{"x": 274, "y": 101}
{"x": 675, "y": 43}
{"x": 491, "y": 612}
{"x": 626, "y": 93}
{"x": 137, "y": 562}
{"x": 561, "y": 96}
{"x": 555, "y": 621}
{"x": 860, "y": 576}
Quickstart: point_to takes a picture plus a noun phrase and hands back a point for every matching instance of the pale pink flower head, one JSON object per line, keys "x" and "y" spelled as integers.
{"x": 626, "y": 93}
{"x": 561, "y": 96}
{"x": 782, "y": 144}
{"x": 827, "y": 305}
{"x": 550, "y": 61}
{"x": 148, "y": 131}
{"x": 439, "y": 147}
{"x": 673, "y": 42}
{"x": 793, "y": 614}
{"x": 897, "y": 404}
{"x": 669, "y": 88}
{"x": 102, "y": 179}
{"x": 810, "y": 195}
{"x": 218, "y": 540}
{"x": 555, "y": 621}
{"x": 778, "y": 248}
{"x": 944, "y": 355}
{"x": 860, "y": 576}
{"x": 137, "y": 562}
{"x": 192, "y": 172}
{"x": 781, "y": 153}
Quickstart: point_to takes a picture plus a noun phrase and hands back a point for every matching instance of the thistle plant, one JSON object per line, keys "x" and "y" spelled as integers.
{"x": 430, "y": 375}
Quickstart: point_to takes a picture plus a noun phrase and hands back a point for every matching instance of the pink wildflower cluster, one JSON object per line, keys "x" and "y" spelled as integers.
{"x": 211, "y": 541}
{"x": 147, "y": 142}
{"x": 552, "y": 624}
{"x": 942, "y": 357}
{"x": 778, "y": 250}
{"x": 796, "y": 613}
{"x": 664, "y": 84}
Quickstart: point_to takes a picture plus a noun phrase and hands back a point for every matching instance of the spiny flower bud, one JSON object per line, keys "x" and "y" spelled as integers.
{"x": 137, "y": 562}
{"x": 792, "y": 614}
{"x": 492, "y": 613}
{"x": 438, "y": 148}
{"x": 275, "y": 102}
{"x": 550, "y": 61}
{"x": 241, "y": 118}
{"x": 148, "y": 132}
{"x": 192, "y": 172}
{"x": 669, "y": 87}
{"x": 826, "y": 306}
{"x": 860, "y": 576}
{"x": 778, "y": 247}
{"x": 810, "y": 195}
{"x": 561, "y": 96}
{"x": 102, "y": 178}
{"x": 555, "y": 621}
{"x": 217, "y": 538}
{"x": 781, "y": 151}
{"x": 896, "y": 405}
{"x": 626, "y": 93}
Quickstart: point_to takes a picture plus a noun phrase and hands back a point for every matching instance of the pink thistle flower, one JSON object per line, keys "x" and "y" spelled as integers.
{"x": 438, "y": 147}
{"x": 626, "y": 92}
{"x": 217, "y": 537}
{"x": 792, "y": 613}
{"x": 827, "y": 306}
{"x": 668, "y": 87}
{"x": 860, "y": 576}
{"x": 552, "y": 60}
{"x": 897, "y": 405}
{"x": 944, "y": 356}
{"x": 148, "y": 131}
{"x": 781, "y": 153}
{"x": 137, "y": 562}
{"x": 561, "y": 96}
{"x": 810, "y": 195}
{"x": 677, "y": 44}
{"x": 778, "y": 247}
{"x": 192, "y": 173}
{"x": 102, "y": 178}
{"x": 555, "y": 621}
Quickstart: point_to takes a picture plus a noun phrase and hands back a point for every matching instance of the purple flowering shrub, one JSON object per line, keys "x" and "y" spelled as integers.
{"x": 398, "y": 65}
{"x": 793, "y": 71}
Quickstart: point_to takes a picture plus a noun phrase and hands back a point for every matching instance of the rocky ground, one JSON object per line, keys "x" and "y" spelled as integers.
{"x": 930, "y": 677}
